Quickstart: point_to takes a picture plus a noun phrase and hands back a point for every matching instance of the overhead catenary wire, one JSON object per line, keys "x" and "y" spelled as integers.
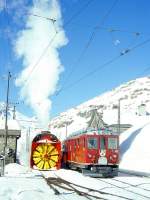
{"x": 98, "y": 27}
{"x": 100, "y": 67}
{"x": 78, "y": 12}
{"x": 110, "y": 29}
{"x": 101, "y": 23}
{"x": 70, "y": 19}
{"x": 113, "y": 29}
{"x": 91, "y": 38}
{"x": 115, "y": 41}
{"x": 53, "y": 38}
{"x": 43, "y": 17}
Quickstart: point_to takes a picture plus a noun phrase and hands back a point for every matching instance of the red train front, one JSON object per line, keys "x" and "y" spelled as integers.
{"x": 95, "y": 152}
{"x": 45, "y": 152}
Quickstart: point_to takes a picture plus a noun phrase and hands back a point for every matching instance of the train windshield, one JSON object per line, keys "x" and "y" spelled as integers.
{"x": 92, "y": 143}
{"x": 102, "y": 143}
{"x": 112, "y": 143}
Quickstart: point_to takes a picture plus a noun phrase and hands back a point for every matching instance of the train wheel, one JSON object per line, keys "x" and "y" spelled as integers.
{"x": 45, "y": 156}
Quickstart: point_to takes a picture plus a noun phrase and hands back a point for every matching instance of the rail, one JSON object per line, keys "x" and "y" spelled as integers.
{"x": 135, "y": 173}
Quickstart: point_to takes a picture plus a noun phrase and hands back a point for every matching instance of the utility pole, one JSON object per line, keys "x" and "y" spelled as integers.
{"x": 14, "y": 112}
{"x": 119, "y": 116}
{"x": 7, "y": 105}
{"x": 6, "y": 123}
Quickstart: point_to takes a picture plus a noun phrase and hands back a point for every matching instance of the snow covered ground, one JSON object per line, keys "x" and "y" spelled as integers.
{"x": 22, "y": 183}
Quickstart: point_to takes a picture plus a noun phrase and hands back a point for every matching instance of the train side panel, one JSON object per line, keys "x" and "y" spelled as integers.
{"x": 93, "y": 153}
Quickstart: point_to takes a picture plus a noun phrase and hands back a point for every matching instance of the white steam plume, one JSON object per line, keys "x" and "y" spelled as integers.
{"x": 39, "y": 83}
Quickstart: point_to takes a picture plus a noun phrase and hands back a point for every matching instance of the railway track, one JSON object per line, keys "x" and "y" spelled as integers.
{"x": 84, "y": 187}
{"x": 137, "y": 174}
{"x": 61, "y": 186}
{"x": 135, "y": 189}
{"x": 134, "y": 185}
{"x": 134, "y": 173}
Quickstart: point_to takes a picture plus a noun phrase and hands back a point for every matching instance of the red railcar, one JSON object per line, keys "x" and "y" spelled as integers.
{"x": 95, "y": 152}
{"x": 45, "y": 152}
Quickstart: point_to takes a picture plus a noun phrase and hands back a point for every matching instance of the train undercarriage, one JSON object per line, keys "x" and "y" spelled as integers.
{"x": 95, "y": 170}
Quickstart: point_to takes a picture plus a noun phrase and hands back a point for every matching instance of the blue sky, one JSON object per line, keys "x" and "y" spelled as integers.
{"x": 131, "y": 18}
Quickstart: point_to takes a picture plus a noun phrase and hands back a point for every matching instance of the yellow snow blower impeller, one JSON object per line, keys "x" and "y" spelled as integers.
{"x": 45, "y": 156}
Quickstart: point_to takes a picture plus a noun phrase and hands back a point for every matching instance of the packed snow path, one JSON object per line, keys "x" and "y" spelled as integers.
{"x": 21, "y": 183}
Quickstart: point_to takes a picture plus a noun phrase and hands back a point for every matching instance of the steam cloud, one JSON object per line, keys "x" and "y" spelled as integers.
{"x": 40, "y": 82}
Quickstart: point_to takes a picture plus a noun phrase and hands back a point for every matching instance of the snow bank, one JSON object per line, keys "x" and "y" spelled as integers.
{"x": 15, "y": 170}
{"x": 134, "y": 148}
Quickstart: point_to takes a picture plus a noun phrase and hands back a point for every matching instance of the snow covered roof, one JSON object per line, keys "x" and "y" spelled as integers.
{"x": 91, "y": 132}
{"x": 13, "y": 128}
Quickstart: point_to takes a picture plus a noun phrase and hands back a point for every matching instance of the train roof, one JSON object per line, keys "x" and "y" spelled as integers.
{"x": 91, "y": 132}
{"x": 45, "y": 136}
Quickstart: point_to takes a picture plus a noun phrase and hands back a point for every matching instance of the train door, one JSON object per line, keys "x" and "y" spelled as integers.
{"x": 78, "y": 153}
{"x": 80, "y": 150}
{"x": 73, "y": 150}
{"x": 103, "y": 151}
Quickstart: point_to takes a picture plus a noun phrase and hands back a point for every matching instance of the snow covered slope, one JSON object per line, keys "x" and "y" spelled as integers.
{"x": 134, "y": 148}
{"x": 131, "y": 95}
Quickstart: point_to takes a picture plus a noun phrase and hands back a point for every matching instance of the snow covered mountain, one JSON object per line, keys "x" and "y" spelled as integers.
{"x": 134, "y": 99}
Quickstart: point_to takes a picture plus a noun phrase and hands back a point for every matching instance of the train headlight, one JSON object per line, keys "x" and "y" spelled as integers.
{"x": 114, "y": 155}
{"x": 93, "y": 169}
{"x": 89, "y": 155}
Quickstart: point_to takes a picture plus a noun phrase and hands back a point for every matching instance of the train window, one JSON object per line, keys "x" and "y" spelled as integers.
{"x": 63, "y": 147}
{"x": 92, "y": 143}
{"x": 102, "y": 143}
{"x": 112, "y": 143}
